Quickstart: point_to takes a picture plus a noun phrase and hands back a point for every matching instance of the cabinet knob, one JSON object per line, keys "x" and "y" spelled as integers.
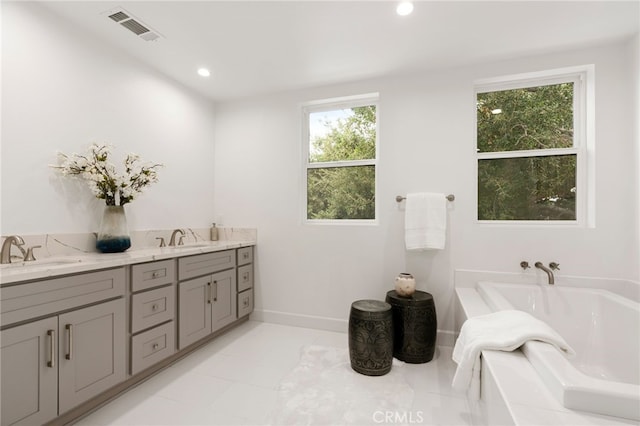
{"x": 245, "y": 255}
{"x": 154, "y": 274}
{"x": 154, "y": 307}
{"x": 155, "y": 346}
{"x": 245, "y": 276}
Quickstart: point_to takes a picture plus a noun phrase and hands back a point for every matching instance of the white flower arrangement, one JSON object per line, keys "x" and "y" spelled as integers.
{"x": 102, "y": 177}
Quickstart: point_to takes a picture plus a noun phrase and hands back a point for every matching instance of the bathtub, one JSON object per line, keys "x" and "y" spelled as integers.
{"x": 604, "y": 330}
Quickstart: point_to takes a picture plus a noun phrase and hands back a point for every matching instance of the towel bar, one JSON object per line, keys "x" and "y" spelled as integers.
{"x": 449, "y": 197}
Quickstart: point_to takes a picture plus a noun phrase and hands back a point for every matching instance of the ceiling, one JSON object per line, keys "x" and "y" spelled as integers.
{"x": 259, "y": 47}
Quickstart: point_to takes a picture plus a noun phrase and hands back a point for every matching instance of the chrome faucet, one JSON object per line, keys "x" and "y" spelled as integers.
{"x": 172, "y": 241}
{"x": 549, "y": 272}
{"x": 5, "y": 253}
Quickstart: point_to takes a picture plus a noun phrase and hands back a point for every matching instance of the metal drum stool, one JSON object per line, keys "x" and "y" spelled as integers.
{"x": 414, "y": 325}
{"x": 371, "y": 337}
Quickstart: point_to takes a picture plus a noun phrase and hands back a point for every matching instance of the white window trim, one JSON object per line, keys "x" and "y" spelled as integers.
{"x": 329, "y": 105}
{"x": 583, "y": 78}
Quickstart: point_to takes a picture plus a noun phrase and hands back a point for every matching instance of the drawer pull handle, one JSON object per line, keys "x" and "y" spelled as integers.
{"x": 245, "y": 255}
{"x": 155, "y": 346}
{"x": 245, "y": 276}
{"x": 215, "y": 295}
{"x": 69, "y": 329}
{"x": 209, "y": 292}
{"x": 154, "y": 307}
{"x": 52, "y": 348}
{"x": 154, "y": 274}
{"x": 245, "y": 303}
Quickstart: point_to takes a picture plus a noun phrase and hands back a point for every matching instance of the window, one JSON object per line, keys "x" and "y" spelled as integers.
{"x": 340, "y": 156}
{"x": 531, "y": 145}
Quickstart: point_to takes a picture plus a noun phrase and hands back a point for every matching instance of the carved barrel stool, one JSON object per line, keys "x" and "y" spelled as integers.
{"x": 414, "y": 326}
{"x": 371, "y": 337}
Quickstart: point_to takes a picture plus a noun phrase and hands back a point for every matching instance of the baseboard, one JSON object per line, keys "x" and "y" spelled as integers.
{"x": 444, "y": 337}
{"x": 300, "y": 320}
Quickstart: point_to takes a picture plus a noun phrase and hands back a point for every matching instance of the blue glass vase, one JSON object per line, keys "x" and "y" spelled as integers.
{"x": 113, "y": 236}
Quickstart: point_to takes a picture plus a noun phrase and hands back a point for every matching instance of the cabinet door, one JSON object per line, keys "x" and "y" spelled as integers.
{"x": 194, "y": 310}
{"x": 224, "y": 299}
{"x": 92, "y": 352}
{"x": 29, "y": 373}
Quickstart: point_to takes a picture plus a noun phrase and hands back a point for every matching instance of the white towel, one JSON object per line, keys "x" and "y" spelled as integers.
{"x": 504, "y": 331}
{"x": 425, "y": 221}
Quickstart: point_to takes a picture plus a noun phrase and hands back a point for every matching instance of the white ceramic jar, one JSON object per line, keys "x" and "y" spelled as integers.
{"x": 405, "y": 284}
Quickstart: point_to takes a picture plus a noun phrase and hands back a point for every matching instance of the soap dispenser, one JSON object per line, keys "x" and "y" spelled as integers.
{"x": 214, "y": 232}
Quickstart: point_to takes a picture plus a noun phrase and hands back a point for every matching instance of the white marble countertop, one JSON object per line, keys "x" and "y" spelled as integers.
{"x": 71, "y": 264}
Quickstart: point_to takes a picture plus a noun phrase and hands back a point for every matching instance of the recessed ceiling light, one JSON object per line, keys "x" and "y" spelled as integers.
{"x": 204, "y": 72}
{"x": 404, "y": 8}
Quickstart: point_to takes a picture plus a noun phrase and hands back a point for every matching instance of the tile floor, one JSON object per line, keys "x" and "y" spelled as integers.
{"x": 234, "y": 380}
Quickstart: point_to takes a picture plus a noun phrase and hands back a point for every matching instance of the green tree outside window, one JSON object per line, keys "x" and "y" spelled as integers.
{"x": 338, "y": 188}
{"x": 533, "y": 185}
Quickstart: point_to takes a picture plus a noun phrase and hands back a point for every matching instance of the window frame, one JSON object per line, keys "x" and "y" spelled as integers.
{"x": 332, "y": 104}
{"x": 583, "y": 140}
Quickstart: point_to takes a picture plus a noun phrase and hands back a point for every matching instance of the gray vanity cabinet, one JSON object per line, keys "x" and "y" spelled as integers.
{"x": 63, "y": 340}
{"x": 206, "y": 303}
{"x": 152, "y": 313}
{"x": 29, "y": 373}
{"x": 245, "y": 281}
{"x": 52, "y": 365}
{"x": 77, "y": 351}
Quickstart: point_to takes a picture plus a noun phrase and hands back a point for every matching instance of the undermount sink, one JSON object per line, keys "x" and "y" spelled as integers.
{"x": 188, "y": 246}
{"x": 42, "y": 263}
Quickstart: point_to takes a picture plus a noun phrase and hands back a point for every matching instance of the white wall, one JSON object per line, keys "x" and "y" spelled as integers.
{"x": 426, "y": 136}
{"x": 634, "y": 71}
{"x": 61, "y": 90}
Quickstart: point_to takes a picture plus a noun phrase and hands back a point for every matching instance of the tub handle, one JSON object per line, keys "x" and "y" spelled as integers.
{"x": 524, "y": 265}
{"x": 554, "y": 266}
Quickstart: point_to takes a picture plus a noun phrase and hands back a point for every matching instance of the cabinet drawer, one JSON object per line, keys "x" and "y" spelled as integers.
{"x": 154, "y": 274}
{"x": 202, "y": 264}
{"x": 245, "y": 255}
{"x": 152, "y": 307}
{"x": 245, "y": 277}
{"x": 39, "y": 298}
{"x": 245, "y": 303}
{"x": 152, "y": 346}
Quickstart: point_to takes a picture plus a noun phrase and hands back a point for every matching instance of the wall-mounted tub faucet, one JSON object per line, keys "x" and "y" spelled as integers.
{"x": 549, "y": 272}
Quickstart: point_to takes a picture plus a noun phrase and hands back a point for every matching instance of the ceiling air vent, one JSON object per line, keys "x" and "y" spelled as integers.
{"x": 126, "y": 20}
